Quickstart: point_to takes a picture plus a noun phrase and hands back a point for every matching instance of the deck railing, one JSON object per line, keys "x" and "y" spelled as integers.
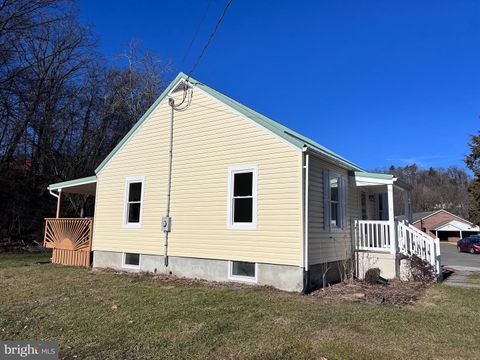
{"x": 70, "y": 239}
{"x": 375, "y": 235}
{"x": 412, "y": 241}
{"x": 372, "y": 235}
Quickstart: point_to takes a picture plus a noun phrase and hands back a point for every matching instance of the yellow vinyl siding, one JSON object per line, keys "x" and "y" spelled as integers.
{"x": 326, "y": 246}
{"x": 208, "y": 139}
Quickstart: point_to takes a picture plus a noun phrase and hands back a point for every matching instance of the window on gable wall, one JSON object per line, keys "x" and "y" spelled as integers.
{"x": 334, "y": 200}
{"x": 133, "y": 202}
{"x": 242, "y": 197}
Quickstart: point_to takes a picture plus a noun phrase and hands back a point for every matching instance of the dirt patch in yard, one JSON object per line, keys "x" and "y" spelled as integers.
{"x": 395, "y": 292}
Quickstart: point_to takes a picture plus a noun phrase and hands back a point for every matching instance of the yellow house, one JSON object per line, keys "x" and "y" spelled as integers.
{"x": 204, "y": 187}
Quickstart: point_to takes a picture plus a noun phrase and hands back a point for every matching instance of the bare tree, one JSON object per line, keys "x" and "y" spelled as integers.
{"x": 62, "y": 108}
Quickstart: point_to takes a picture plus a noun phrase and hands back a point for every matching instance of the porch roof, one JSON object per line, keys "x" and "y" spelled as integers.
{"x": 86, "y": 185}
{"x": 361, "y": 178}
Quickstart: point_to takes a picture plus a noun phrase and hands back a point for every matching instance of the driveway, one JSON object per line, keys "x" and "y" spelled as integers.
{"x": 452, "y": 258}
{"x": 459, "y": 266}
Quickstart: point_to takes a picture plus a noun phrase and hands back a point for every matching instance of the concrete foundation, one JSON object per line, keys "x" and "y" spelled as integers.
{"x": 327, "y": 274}
{"x": 405, "y": 273}
{"x": 386, "y": 262}
{"x": 283, "y": 277}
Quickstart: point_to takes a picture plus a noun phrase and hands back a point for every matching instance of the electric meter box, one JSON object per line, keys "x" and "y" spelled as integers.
{"x": 166, "y": 224}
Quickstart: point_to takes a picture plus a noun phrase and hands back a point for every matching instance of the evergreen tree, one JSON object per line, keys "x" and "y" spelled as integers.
{"x": 473, "y": 163}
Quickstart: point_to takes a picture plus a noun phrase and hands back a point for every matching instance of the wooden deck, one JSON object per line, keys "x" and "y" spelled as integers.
{"x": 70, "y": 239}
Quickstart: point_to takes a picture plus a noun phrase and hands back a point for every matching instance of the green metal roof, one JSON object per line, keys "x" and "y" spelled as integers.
{"x": 285, "y": 133}
{"x": 75, "y": 182}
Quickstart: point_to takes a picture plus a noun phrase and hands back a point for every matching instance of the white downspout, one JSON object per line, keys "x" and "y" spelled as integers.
{"x": 305, "y": 237}
{"x": 59, "y": 199}
{"x": 53, "y": 194}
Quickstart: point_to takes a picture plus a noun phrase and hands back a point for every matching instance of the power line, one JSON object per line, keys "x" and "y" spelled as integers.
{"x": 181, "y": 106}
{"x": 217, "y": 25}
{"x": 196, "y": 32}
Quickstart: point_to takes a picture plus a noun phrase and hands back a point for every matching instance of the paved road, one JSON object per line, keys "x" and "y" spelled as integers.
{"x": 451, "y": 257}
{"x": 462, "y": 265}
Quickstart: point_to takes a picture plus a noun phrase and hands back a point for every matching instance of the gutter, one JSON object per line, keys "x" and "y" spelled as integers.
{"x": 322, "y": 156}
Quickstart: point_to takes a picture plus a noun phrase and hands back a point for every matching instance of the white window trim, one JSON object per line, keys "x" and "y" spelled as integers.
{"x": 232, "y": 170}
{"x": 341, "y": 202}
{"x": 128, "y": 266}
{"x": 128, "y": 181}
{"x": 242, "y": 278}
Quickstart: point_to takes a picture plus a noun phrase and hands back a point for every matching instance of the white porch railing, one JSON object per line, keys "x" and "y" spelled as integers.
{"x": 372, "y": 235}
{"x": 412, "y": 241}
{"x": 375, "y": 235}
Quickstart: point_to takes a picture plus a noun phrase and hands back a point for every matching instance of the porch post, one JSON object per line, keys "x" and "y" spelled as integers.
{"x": 59, "y": 203}
{"x": 391, "y": 220}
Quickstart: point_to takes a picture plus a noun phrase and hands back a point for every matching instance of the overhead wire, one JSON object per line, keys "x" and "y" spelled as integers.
{"x": 196, "y": 32}
{"x": 182, "y": 106}
{"x": 212, "y": 34}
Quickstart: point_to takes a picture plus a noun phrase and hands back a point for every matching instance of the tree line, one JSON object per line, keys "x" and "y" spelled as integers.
{"x": 452, "y": 189}
{"x": 434, "y": 189}
{"x": 63, "y": 106}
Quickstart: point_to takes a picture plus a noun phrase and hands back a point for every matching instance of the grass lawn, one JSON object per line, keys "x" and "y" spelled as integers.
{"x": 473, "y": 278}
{"x": 187, "y": 320}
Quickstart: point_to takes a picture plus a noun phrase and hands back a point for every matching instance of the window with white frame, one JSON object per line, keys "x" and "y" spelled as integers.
{"x": 335, "y": 214}
{"x": 242, "y": 271}
{"x": 334, "y": 200}
{"x": 242, "y": 198}
{"x": 131, "y": 260}
{"x": 133, "y": 201}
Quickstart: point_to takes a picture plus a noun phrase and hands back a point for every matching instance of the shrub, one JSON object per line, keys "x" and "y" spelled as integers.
{"x": 372, "y": 276}
{"x": 421, "y": 270}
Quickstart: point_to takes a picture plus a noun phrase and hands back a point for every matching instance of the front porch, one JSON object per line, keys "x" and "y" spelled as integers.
{"x": 70, "y": 238}
{"x": 381, "y": 240}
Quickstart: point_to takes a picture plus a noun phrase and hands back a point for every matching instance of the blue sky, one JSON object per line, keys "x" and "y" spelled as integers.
{"x": 380, "y": 82}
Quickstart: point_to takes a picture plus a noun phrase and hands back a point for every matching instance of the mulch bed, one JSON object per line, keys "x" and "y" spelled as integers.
{"x": 395, "y": 292}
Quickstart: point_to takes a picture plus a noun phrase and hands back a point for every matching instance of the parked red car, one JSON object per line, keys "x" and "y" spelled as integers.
{"x": 470, "y": 244}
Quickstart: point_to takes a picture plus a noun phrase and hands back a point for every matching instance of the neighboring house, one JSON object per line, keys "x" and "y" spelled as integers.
{"x": 243, "y": 198}
{"x": 444, "y": 225}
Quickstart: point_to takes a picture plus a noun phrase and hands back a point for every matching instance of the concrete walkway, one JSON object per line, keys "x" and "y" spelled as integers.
{"x": 459, "y": 276}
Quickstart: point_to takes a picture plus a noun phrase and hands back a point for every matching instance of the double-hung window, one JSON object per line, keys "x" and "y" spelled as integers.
{"x": 133, "y": 202}
{"x": 334, "y": 200}
{"x": 242, "y": 198}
